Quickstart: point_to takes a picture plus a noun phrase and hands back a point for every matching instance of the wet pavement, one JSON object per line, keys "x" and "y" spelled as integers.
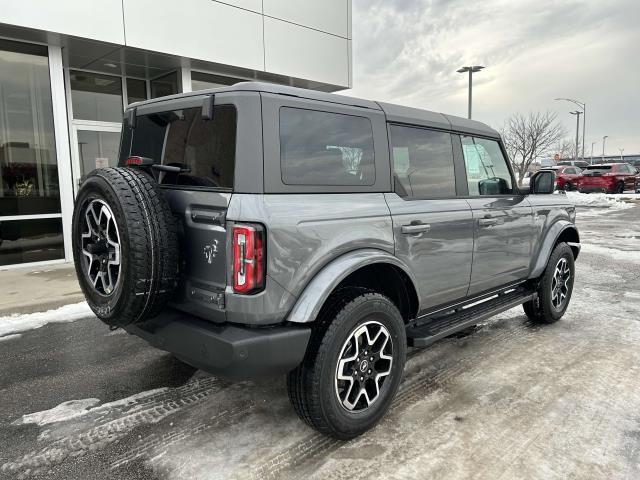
{"x": 508, "y": 400}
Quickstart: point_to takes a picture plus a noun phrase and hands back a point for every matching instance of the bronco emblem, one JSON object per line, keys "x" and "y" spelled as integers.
{"x": 210, "y": 251}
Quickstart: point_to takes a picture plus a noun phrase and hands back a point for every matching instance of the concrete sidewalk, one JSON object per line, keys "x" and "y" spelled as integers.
{"x": 37, "y": 289}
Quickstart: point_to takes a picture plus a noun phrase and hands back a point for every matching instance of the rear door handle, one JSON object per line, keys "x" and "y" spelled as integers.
{"x": 487, "y": 222}
{"x": 415, "y": 228}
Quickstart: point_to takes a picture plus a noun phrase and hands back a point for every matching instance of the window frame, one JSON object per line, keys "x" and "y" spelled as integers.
{"x": 454, "y": 153}
{"x": 514, "y": 186}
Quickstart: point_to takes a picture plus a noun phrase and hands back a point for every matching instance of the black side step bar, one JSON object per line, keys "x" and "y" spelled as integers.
{"x": 431, "y": 330}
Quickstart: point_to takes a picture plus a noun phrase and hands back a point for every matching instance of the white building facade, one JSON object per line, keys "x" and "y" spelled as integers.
{"x": 68, "y": 69}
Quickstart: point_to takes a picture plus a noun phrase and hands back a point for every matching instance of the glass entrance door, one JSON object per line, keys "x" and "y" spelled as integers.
{"x": 96, "y": 147}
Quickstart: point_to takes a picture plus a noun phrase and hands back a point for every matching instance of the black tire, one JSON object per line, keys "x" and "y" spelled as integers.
{"x": 146, "y": 232}
{"x": 568, "y": 187}
{"x": 619, "y": 188}
{"x": 543, "y": 309}
{"x": 312, "y": 386}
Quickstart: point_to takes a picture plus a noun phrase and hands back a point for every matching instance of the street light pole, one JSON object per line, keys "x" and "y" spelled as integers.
{"x": 471, "y": 70}
{"x": 592, "y": 144}
{"x": 604, "y": 141}
{"x": 621, "y": 150}
{"x": 577, "y": 114}
{"x": 583, "y": 106}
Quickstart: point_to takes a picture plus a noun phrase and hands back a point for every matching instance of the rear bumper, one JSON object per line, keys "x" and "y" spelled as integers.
{"x": 227, "y": 350}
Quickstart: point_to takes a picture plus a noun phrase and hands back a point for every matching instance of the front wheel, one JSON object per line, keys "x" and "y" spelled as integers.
{"x": 353, "y": 365}
{"x": 554, "y": 288}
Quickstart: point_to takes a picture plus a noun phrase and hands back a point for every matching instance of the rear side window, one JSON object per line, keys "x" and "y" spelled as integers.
{"x": 487, "y": 170}
{"x": 323, "y": 148}
{"x": 422, "y": 162}
{"x": 204, "y": 149}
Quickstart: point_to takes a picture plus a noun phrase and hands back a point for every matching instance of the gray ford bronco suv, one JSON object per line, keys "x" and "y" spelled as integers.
{"x": 260, "y": 229}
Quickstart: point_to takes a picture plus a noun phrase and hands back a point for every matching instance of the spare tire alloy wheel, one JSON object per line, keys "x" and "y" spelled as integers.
{"x": 101, "y": 247}
{"x": 365, "y": 363}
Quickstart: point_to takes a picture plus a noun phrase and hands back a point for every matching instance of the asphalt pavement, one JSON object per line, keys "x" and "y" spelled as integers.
{"x": 507, "y": 400}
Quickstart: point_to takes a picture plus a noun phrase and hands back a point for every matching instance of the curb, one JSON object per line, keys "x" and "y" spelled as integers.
{"x": 41, "y": 306}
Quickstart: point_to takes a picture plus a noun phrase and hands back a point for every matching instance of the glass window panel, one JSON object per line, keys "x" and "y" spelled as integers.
{"x": 96, "y": 97}
{"x": 203, "y": 81}
{"x": 205, "y": 149}
{"x": 37, "y": 240}
{"x": 422, "y": 162}
{"x": 487, "y": 170}
{"x": 97, "y": 150}
{"x": 136, "y": 90}
{"x": 163, "y": 86}
{"x": 323, "y": 148}
{"x": 28, "y": 163}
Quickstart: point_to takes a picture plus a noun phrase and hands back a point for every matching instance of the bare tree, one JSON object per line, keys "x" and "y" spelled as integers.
{"x": 530, "y": 137}
{"x": 566, "y": 148}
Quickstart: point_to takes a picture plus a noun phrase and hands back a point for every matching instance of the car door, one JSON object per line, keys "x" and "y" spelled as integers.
{"x": 629, "y": 176}
{"x": 502, "y": 215}
{"x": 433, "y": 228}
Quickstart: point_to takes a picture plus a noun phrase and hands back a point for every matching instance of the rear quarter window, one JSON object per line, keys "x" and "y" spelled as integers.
{"x": 325, "y": 148}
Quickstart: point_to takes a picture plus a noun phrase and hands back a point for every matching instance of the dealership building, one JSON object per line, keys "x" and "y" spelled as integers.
{"x": 69, "y": 68}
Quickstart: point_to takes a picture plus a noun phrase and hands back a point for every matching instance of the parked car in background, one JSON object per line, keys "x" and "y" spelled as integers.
{"x": 566, "y": 177}
{"x": 573, "y": 163}
{"x": 607, "y": 178}
{"x": 526, "y": 180}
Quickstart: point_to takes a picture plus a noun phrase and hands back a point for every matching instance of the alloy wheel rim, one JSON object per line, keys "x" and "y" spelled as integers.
{"x": 560, "y": 284}
{"x": 101, "y": 247}
{"x": 364, "y": 365}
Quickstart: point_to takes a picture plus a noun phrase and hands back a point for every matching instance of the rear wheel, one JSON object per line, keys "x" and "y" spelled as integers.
{"x": 619, "y": 188}
{"x": 353, "y": 365}
{"x": 554, "y": 288}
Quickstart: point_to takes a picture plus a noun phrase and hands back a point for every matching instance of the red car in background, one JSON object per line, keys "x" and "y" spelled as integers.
{"x": 607, "y": 178}
{"x": 566, "y": 176}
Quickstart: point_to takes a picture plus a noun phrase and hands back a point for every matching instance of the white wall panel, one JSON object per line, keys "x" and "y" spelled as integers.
{"x": 304, "y": 53}
{"x": 253, "y": 5}
{"x": 200, "y": 29}
{"x": 97, "y": 20}
{"x": 327, "y": 15}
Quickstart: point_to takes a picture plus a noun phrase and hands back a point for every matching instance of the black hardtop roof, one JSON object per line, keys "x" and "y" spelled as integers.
{"x": 394, "y": 113}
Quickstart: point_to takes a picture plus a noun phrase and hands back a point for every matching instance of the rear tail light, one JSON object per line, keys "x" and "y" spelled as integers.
{"x": 248, "y": 258}
{"x": 131, "y": 161}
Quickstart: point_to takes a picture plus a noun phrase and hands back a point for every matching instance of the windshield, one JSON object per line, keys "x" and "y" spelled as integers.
{"x": 203, "y": 149}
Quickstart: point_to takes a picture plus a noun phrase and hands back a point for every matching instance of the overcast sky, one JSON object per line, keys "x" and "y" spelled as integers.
{"x": 408, "y": 51}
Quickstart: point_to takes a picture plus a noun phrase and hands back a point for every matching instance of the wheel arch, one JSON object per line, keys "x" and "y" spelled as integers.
{"x": 561, "y": 231}
{"x": 373, "y": 269}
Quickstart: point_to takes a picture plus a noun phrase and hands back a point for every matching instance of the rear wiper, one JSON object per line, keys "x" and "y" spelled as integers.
{"x": 171, "y": 168}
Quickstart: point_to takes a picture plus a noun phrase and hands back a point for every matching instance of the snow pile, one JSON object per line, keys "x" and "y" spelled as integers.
{"x": 78, "y": 408}
{"x": 19, "y": 323}
{"x": 616, "y": 202}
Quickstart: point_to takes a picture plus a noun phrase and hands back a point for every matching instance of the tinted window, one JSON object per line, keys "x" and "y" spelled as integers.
{"x": 322, "y": 148}
{"x": 597, "y": 169}
{"x": 205, "y": 149}
{"x": 422, "y": 162}
{"x": 487, "y": 170}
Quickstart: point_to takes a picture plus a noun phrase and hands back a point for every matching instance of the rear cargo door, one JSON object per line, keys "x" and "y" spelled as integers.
{"x": 200, "y": 153}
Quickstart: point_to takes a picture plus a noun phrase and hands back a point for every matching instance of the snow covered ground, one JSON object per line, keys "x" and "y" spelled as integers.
{"x": 14, "y": 324}
{"x": 614, "y": 201}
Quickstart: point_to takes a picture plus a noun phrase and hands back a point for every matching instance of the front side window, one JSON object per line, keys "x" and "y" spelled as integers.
{"x": 203, "y": 149}
{"x": 422, "y": 162}
{"x": 487, "y": 170}
{"x": 323, "y": 148}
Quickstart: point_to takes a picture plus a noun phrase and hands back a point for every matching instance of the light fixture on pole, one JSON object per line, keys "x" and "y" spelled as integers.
{"x": 583, "y": 106}
{"x": 471, "y": 70}
{"x": 604, "y": 141}
{"x": 577, "y": 113}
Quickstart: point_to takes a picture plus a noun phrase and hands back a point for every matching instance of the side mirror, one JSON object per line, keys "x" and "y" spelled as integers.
{"x": 543, "y": 182}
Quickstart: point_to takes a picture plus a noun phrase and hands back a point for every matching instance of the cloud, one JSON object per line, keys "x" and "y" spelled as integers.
{"x": 408, "y": 51}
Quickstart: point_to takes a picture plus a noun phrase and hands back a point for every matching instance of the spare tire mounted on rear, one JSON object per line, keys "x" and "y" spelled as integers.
{"x": 125, "y": 245}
